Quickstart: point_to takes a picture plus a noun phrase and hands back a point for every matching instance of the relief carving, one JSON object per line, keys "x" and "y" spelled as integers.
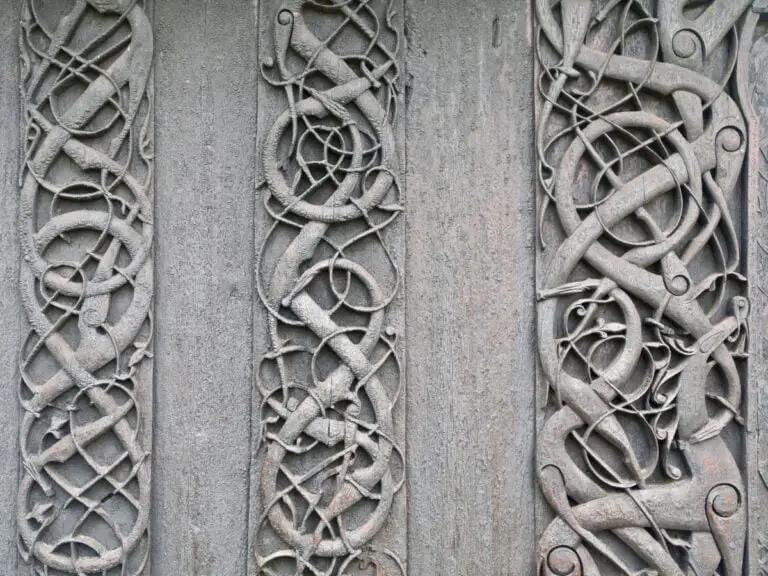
{"x": 329, "y": 279}
{"x": 642, "y": 132}
{"x": 85, "y": 230}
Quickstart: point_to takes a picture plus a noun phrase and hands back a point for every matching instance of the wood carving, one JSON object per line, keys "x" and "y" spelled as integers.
{"x": 85, "y": 230}
{"x": 641, "y": 137}
{"x": 331, "y": 465}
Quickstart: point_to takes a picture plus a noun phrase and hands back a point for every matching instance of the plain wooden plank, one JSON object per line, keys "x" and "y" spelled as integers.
{"x": 470, "y": 288}
{"x": 205, "y": 119}
{"x": 10, "y": 305}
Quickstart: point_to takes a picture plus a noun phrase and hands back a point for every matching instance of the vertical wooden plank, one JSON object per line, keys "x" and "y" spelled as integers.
{"x": 9, "y": 281}
{"x": 753, "y": 96}
{"x": 206, "y": 113}
{"x": 470, "y": 287}
{"x": 343, "y": 418}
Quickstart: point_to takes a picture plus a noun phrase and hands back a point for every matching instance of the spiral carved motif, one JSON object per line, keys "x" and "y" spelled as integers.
{"x": 642, "y": 319}
{"x": 328, "y": 278}
{"x": 85, "y": 230}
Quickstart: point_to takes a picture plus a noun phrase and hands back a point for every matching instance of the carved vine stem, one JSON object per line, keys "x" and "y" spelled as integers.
{"x": 642, "y": 319}
{"x": 85, "y": 229}
{"x": 327, "y": 277}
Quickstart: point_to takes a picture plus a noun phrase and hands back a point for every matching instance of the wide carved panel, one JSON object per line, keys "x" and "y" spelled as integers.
{"x": 330, "y": 454}
{"x": 651, "y": 243}
{"x": 651, "y": 194}
{"x": 85, "y": 230}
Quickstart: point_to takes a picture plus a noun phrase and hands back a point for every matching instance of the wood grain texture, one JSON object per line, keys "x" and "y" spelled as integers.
{"x": 470, "y": 288}
{"x": 594, "y": 288}
{"x": 10, "y": 305}
{"x": 389, "y": 540}
{"x": 757, "y": 272}
{"x": 205, "y": 119}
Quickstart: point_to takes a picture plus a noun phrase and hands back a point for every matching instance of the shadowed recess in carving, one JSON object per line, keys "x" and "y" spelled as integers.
{"x": 85, "y": 230}
{"x": 642, "y": 315}
{"x": 331, "y": 464}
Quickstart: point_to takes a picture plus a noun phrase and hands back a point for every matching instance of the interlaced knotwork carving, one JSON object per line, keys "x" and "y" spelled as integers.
{"x": 327, "y": 276}
{"x": 642, "y": 315}
{"x": 85, "y": 230}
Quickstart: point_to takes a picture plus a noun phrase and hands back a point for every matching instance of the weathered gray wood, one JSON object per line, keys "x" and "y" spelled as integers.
{"x": 466, "y": 242}
{"x": 86, "y": 287}
{"x": 470, "y": 288}
{"x": 385, "y": 542}
{"x": 595, "y": 289}
{"x": 205, "y": 118}
{"x": 753, "y": 84}
{"x": 10, "y": 306}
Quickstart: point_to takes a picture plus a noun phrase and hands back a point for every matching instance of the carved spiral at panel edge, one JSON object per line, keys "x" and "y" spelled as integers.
{"x": 331, "y": 465}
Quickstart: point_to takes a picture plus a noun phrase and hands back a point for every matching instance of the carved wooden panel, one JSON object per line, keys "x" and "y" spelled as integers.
{"x": 645, "y": 453}
{"x": 652, "y": 257}
{"x": 330, "y": 382}
{"x": 85, "y": 231}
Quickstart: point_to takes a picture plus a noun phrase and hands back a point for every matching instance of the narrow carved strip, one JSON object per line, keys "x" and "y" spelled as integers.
{"x": 753, "y": 93}
{"x": 85, "y": 230}
{"x": 642, "y": 315}
{"x": 328, "y": 277}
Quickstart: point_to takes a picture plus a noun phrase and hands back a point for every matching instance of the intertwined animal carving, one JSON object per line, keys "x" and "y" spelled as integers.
{"x": 642, "y": 319}
{"x": 331, "y": 465}
{"x": 85, "y": 230}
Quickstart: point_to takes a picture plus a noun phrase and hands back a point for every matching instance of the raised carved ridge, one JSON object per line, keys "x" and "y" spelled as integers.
{"x": 328, "y": 277}
{"x": 641, "y": 137}
{"x": 85, "y": 230}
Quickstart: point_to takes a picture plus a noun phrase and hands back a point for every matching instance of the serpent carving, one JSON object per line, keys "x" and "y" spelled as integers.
{"x": 327, "y": 277}
{"x": 642, "y": 318}
{"x": 85, "y": 231}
